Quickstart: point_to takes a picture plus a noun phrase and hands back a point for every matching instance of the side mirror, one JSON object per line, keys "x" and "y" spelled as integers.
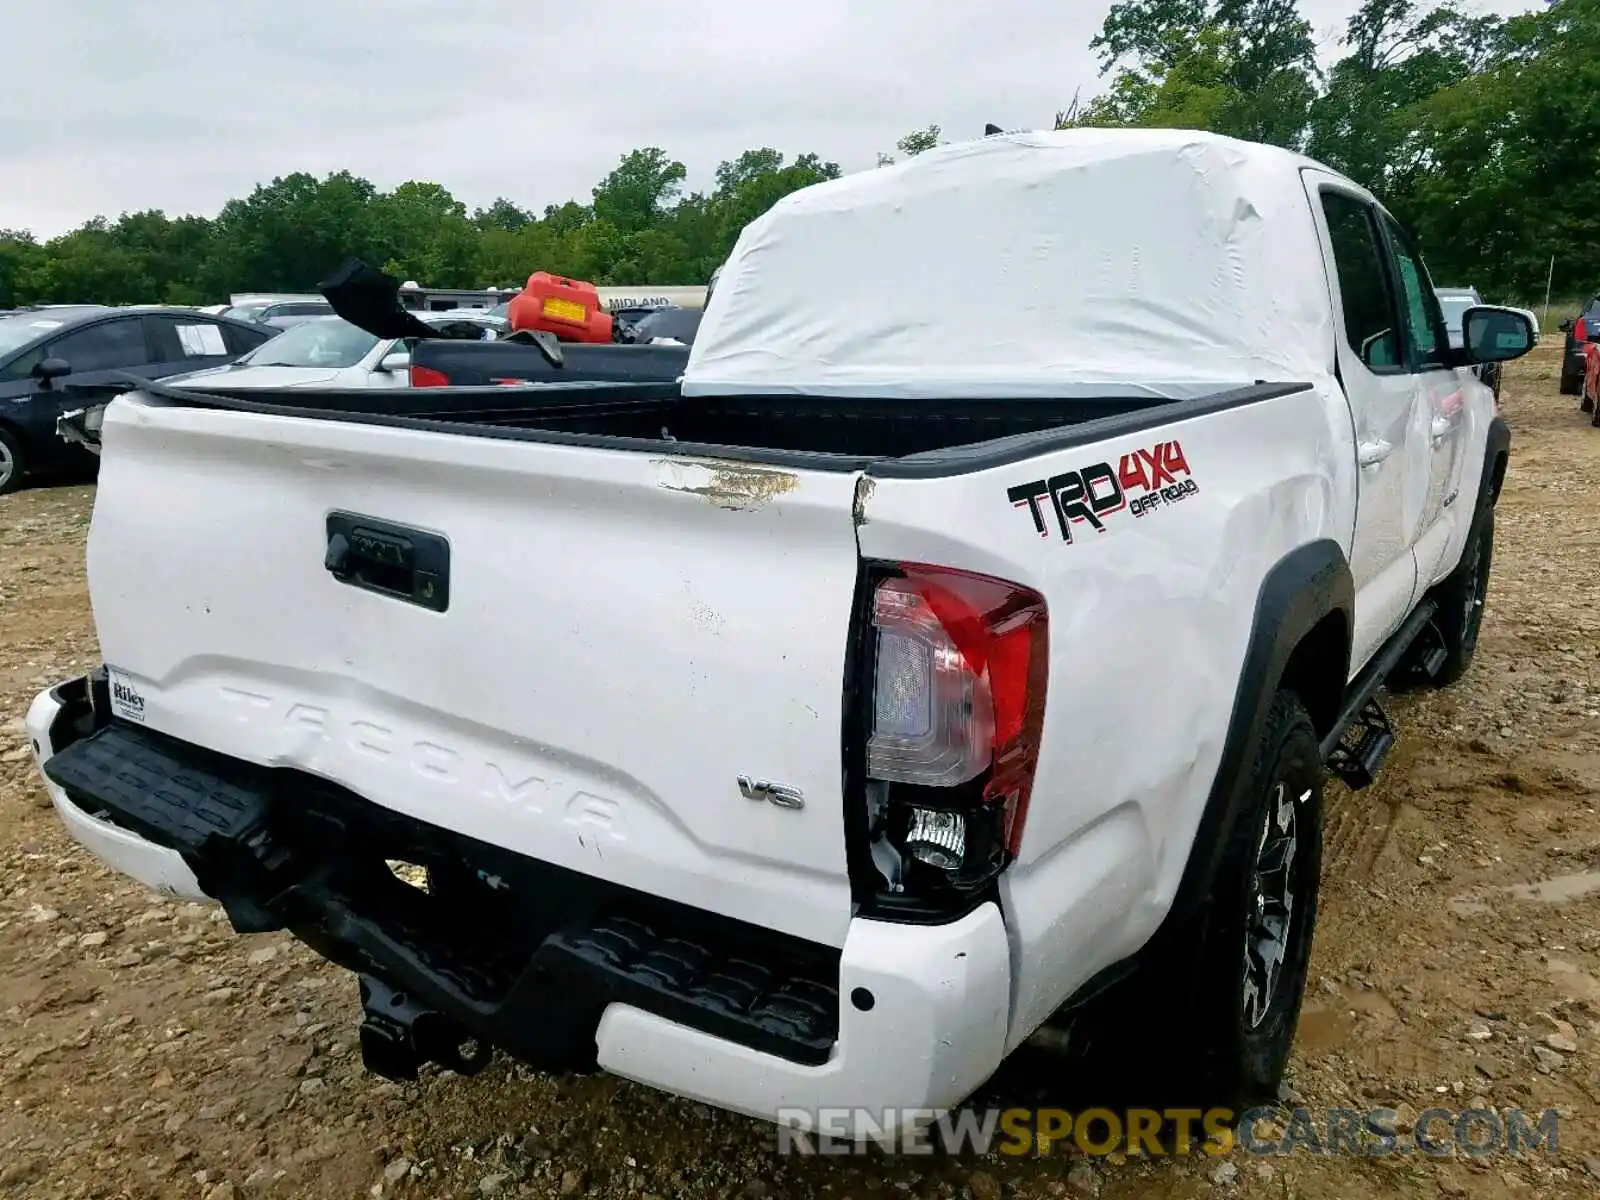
{"x": 1493, "y": 334}
{"x": 52, "y": 368}
{"x": 395, "y": 361}
{"x": 1566, "y": 326}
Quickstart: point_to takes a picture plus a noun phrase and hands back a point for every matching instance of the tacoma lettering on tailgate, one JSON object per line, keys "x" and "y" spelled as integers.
{"x": 1141, "y": 483}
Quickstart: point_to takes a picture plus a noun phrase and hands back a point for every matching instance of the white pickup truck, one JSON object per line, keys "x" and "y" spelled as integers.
{"x": 908, "y": 679}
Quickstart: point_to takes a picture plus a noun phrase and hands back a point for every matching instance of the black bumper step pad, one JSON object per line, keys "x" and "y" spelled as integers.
{"x": 166, "y": 791}
{"x": 541, "y": 1001}
{"x": 745, "y": 1002}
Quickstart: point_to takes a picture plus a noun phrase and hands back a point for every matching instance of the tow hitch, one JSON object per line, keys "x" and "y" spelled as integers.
{"x": 398, "y": 1035}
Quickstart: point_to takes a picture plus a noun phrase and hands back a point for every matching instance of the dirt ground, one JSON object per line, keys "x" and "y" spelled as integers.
{"x": 147, "y": 1051}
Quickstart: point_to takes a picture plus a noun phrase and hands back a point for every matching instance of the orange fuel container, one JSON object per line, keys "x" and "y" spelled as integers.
{"x": 568, "y": 308}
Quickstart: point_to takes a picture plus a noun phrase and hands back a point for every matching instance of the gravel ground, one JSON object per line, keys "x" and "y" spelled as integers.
{"x": 147, "y": 1051}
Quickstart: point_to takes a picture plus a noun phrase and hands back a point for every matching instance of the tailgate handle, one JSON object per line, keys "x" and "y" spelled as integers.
{"x": 406, "y": 564}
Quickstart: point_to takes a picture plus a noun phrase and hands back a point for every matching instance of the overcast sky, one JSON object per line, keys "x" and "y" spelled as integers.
{"x": 120, "y": 105}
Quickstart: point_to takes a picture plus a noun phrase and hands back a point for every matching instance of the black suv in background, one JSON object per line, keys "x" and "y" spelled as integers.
{"x": 1580, "y": 330}
{"x": 45, "y": 351}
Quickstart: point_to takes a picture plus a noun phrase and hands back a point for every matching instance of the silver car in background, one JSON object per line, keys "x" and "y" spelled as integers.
{"x": 279, "y": 314}
{"x": 330, "y": 352}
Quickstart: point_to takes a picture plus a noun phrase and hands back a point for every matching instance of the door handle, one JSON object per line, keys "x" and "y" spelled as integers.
{"x": 1370, "y": 454}
{"x": 1440, "y": 429}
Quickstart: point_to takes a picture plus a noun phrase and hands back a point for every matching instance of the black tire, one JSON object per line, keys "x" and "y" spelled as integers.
{"x": 1202, "y": 1023}
{"x": 1247, "y": 1041}
{"x": 1571, "y": 382}
{"x": 12, "y": 463}
{"x": 1461, "y": 599}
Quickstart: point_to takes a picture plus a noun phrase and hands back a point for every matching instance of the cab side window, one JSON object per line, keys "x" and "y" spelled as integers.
{"x": 1370, "y": 321}
{"x": 1424, "y": 323}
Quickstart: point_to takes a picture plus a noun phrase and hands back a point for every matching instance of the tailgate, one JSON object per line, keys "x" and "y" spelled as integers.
{"x": 622, "y": 639}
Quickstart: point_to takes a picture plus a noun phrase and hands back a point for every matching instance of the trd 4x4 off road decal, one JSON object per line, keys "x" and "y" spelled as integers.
{"x": 1142, "y": 482}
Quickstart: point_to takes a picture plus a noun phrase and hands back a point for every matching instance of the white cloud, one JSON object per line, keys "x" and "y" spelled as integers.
{"x": 112, "y": 106}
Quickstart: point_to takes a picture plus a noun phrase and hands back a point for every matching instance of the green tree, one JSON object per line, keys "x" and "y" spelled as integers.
{"x": 1400, "y": 55}
{"x": 1241, "y": 67}
{"x": 503, "y": 214}
{"x": 913, "y": 144}
{"x": 289, "y": 234}
{"x": 18, "y": 254}
{"x": 87, "y": 266}
{"x": 752, "y": 183}
{"x": 634, "y": 195}
{"x": 426, "y": 232}
{"x": 1505, "y": 159}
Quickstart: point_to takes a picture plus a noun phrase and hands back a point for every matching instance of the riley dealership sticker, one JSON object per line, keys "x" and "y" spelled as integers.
{"x": 127, "y": 701}
{"x": 1142, "y": 483}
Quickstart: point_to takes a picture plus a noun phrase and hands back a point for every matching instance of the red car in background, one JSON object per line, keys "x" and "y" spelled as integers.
{"x": 1580, "y": 359}
{"x": 1591, "y": 382}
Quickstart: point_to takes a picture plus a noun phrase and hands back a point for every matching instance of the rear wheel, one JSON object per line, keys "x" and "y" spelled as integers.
{"x": 11, "y": 464}
{"x": 1263, "y": 910}
{"x": 1239, "y": 969}
{"x": 1461, "y": 599}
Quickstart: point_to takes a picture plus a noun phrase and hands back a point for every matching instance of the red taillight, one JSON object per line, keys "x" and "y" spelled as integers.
{"x": 959, "y": 673}
{"x": 1580, "y": 331}
{"x": 428, "y": 377}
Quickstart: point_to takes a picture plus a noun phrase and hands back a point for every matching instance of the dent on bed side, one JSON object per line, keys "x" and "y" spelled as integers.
{"x": 738, "y": 487}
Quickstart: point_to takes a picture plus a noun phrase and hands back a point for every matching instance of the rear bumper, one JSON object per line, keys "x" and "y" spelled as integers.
{"x": 936, "y": 1030}
{"x": 156, "y": 867}
{"x": 905, "y": 1021}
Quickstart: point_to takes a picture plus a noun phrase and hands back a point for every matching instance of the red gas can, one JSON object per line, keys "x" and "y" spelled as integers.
{"x": 568, "y": 308}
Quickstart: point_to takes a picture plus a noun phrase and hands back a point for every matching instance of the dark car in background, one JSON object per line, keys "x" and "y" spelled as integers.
{"x": 667, "y": 321}
{"x": 45, "y": 352}
{"x": 1581, "y": 331}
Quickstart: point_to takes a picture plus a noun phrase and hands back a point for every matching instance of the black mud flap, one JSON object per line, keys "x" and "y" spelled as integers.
{"x": 442, "y": 981}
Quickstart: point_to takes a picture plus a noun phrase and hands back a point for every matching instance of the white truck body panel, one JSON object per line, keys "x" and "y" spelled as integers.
{"x": 1153, "y": 614}
{"x": 625, "y": 638}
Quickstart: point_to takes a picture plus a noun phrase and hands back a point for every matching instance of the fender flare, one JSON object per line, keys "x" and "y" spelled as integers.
{"x": 1496, "y": 454}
